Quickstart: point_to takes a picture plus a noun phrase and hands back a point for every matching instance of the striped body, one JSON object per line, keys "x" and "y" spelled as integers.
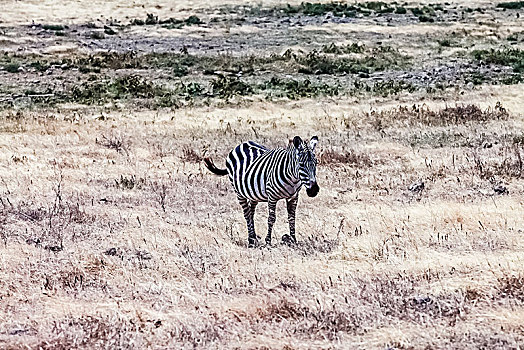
{"x": 259, "y": 174}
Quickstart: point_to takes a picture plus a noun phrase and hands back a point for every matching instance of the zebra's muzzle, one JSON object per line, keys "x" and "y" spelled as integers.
{"x": 313, "y": 190}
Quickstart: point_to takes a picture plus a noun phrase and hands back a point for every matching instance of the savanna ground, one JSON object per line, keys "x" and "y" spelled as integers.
{"x": 114, "y": 235}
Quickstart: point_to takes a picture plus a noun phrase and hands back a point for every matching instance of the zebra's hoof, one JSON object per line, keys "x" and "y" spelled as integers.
{"x": 253, "y": 243}
{"x": 288, "y": 239}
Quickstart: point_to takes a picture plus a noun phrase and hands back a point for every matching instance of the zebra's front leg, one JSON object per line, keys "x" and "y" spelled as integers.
{"x": 249, "y": 212}
{"x": 272, "y": 205}
{"x": 291, "y": 213}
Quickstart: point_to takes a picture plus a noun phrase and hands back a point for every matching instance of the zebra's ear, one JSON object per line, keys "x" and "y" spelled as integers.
{"x": 313, "y": 143}
{"x": 297, "y": 142}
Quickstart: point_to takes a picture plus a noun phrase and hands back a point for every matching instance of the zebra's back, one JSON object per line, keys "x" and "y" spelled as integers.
{"x": 258, "y": 173}
{"x": 244, "y": 173}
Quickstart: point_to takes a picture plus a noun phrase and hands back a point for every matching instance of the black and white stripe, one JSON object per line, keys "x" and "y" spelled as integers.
{"x": 259, "y": 174}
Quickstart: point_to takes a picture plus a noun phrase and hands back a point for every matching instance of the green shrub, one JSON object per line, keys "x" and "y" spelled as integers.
{"x": 97, "y": 35}
{"x": 379, "y": 60}
{"x": 122, "y": 87}
{"x": 12, "y": 67}
{"x": 507, "y": 57}
{"x": 343, "y": 49}
{"x": 424, "y": 18}
{"x": 384, "y": 88}
{"x": 511, "y": 5}
{"x": 444, "y": 42}
{"x": 228, "y": 86}
{"x": 192, "y": 20}
{"x": 40, "y": 66}
{"x": 55, "y": 27}
{"x": 169, "y": 23}
{"x": 109, "y": 31}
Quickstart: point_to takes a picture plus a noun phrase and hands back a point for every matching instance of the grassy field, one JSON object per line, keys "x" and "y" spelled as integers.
{"x": 114, "y": 235}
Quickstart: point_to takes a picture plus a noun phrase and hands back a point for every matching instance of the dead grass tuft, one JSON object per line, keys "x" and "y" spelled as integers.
{"x": 349, "y": 157}
{"x": 93, "y": 331}
{"x": 115, "y": 141}
{"x": 512, "y": 287}
{"x": 367, "y": 303}
{"x": 422, "y": 114}
{"x": 190, "y": 155}
{"x": 62, "y": 219}
{"x": 508, "y": 163}
{"x": 315, "y": 244}
{"x": 130, "y": 182}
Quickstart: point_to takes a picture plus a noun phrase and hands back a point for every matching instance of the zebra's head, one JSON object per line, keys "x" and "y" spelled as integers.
{"x": 307, "y": 164}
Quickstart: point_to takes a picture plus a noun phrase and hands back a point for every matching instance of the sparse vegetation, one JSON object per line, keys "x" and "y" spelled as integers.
{"x": 114, "y": 141}
{"x": 190, "y": 155}
{"x": 509, "y": 165}
{"x": 13, "y": 67}
{"x": 343, "y": 49}
{"x": 129, "y": 182}
{"x": 445, "y": 42}
{"x": 507, "y": 57}
{"x": 170, "y": 23}
{"x": 55, "y": 27}
{"x": 126, "y": 87}
{"x": 295, "y": 89}
{"x": 341, "y": 9}
{"x": 511, "y": 5}
{"x": 316, "y": 63}
{"x": 448, "y": 116}
{"x": 97, "y": 35}
{"x": 114, "y": 235}
{"x": 350, "y": 157}
{"x": 345, "y": 10}
{"x": 109, "y": 31}
{"x": 383, "y": 88}
{"x": 227, "y": 86}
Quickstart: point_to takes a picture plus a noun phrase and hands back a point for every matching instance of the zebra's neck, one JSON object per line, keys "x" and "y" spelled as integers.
{"x": 293, "y": 163}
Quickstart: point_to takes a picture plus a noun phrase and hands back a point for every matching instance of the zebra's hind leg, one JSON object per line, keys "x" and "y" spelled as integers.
{"x": 249, "y": 212}
{"x": 291, "y": 213}
{"x": 272, "y": 205}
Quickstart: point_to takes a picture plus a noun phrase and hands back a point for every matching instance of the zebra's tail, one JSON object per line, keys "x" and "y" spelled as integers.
{"x": 211, "y": 166}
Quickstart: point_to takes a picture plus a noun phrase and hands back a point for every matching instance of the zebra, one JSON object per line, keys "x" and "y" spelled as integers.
{"x": 259, "y": 174}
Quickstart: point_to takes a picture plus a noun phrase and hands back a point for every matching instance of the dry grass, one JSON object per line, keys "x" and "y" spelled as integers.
{"x": 114, "y": 235}
{"x": 417, "y": 114}
{"x": 93, "y": 261}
